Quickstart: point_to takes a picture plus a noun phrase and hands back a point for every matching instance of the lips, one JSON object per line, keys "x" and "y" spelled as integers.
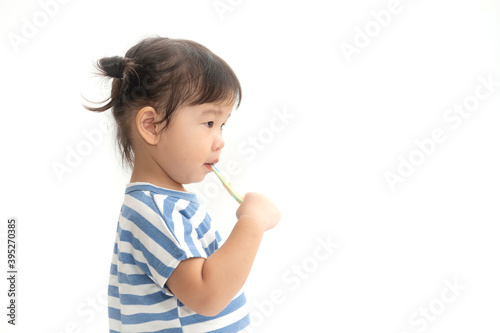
{"x": 209, "y": 165}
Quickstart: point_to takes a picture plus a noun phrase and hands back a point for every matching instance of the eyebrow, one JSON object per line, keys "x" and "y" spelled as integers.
{"x": 211, "y": 111}
{"x": 215, "y": 112}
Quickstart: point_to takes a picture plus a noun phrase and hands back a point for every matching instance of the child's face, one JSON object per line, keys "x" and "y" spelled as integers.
{"x": 192, "y": 141}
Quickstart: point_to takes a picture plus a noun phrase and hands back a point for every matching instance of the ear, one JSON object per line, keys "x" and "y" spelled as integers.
{"x": 144, "y": 122}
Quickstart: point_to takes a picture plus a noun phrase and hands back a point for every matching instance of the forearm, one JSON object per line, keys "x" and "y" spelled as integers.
{"x": 207, "y": 286}
{"x": 225, "y": 272}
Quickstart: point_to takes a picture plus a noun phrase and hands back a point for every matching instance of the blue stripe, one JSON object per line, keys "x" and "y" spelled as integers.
{"x": 212, "y": 247}
{"x": 217, "y": 236}
{"x": 204, "y": 227}
{"x": 147, "y": 200}
{"x": 114, "y": 313}
{"x": 134, "y": 279}
{"x": 168, "y": 330}
{"x": 151, "y": 231}
{"x": 129, "y": 248}
{"x": 235, "y": 327}
{"x": 190, "y": 210}
{"x": 188, "y": 229}
{"x": 130, "y": 299}
{"x": 141, "y": 318}
{"x": 127, "y": 258}
{"x": 233, "y": 306}
{"x": 126, "y": 236}
{"x": 132, "y": 190}
{"x": 151, "y": 299}
{"x": 168, "y": 211}
{"x": 113, "y": 270}
{"x": 113, "y": 291}
{"x": 168, "y": 208}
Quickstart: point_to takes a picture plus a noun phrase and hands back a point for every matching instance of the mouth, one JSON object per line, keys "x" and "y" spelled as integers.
{"x": 209, "y": 165}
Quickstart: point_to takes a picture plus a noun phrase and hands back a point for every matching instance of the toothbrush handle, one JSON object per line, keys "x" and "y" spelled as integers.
{"x": 235, "y": 195}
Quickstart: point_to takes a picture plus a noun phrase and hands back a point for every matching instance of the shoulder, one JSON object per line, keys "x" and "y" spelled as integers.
{"x": 162, "y": 198}
{"x": 172, "y": 206}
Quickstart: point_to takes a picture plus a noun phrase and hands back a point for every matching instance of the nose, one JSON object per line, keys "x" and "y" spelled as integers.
{"x": 218, "y": 142}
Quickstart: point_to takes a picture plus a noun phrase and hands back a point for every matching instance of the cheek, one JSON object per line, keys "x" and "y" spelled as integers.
{"x": 196, "y": 141}
{"x": 186, "y": 147}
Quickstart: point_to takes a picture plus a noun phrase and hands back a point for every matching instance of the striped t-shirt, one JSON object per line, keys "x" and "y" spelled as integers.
{"x": 157, "y": 229}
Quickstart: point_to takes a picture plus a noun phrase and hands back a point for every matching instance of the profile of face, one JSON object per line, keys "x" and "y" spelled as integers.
{"x": 192, "y": 141}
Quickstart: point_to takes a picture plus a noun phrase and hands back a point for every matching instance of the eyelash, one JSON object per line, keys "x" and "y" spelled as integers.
{"x": 210, "y": 124}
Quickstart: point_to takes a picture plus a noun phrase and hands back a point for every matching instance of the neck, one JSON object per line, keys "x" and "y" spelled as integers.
{"x": 148, "y": 171}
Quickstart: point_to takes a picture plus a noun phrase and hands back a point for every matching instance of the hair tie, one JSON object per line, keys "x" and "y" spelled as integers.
{"x": 123, "y": 77}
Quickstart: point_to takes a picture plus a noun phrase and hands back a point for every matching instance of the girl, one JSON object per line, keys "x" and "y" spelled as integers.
{"x": 170, "y": 99}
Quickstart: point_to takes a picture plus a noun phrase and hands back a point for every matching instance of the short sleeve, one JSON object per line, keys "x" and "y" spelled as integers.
{"x": 160, "y": 234}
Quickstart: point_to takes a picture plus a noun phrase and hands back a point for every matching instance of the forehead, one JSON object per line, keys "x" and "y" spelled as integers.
{"x": 214, "y": 109}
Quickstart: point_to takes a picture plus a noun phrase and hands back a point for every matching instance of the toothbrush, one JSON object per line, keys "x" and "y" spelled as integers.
{"x": 227, "y": 185}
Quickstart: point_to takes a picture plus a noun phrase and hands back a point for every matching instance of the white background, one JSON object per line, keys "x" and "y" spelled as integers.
{"x": 351, "y": 120}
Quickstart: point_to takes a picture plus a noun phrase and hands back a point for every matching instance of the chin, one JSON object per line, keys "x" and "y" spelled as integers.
{"x": 201, "y": 178}
{"x": 193, "y": 176}
{"x": 194, "y": 179}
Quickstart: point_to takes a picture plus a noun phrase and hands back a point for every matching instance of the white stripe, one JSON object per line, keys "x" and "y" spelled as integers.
{"x": 154, "y": 248}
{"x": 129, "y": 269}
{"x": 114, "y": 302}
{"x": 194, "y": 234}
{"x": 198, "y": 217}
{"x": 208, "y": 238}
{"x": 218, "y": 323}
{"x": 151, "y": 326}
{"x": 115, "y": 325}
{"x": 186, "y": 312}
{"x": 155, "y": 220}
{"x": 179, "y": 230}
{"x": 157, "y": 308}
{"x": 155, "y": 216}
{"x": 198, "y": 244}
{"x": 163, "y": 255}
{"x": 126, "y": 247}
{"x": 164, "y": 306}
{"x": 160, "y": 201}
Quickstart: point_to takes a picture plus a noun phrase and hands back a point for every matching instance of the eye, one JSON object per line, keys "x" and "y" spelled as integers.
{"x": 222, "y": 126}
{"x": 209, "y": 124}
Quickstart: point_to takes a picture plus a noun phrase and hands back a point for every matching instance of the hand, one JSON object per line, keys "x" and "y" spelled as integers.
{"x": 261, "y": 209}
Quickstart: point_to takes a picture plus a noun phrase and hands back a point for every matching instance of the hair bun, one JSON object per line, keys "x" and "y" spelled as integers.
{"x": 113, "y": 66}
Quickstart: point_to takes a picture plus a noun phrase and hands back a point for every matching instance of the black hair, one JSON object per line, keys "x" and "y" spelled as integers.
{"x": 165, "y": 74}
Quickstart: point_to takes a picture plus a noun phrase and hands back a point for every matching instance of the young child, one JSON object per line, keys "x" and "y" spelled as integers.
{"x": 170, "y": 99}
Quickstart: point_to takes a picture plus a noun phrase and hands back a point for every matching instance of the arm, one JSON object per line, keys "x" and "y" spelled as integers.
{"x": 207, "y": 286}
